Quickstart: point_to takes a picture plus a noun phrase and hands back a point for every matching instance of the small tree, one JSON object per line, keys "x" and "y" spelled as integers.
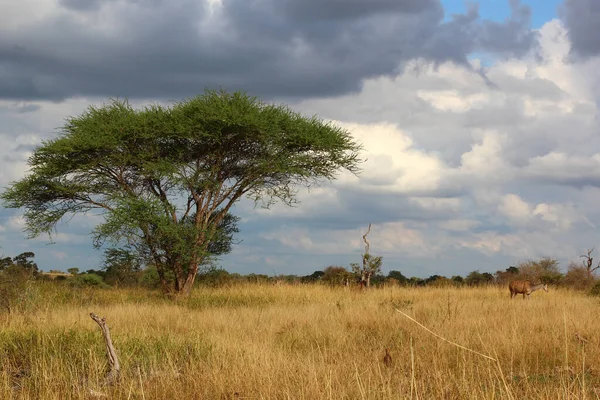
{"x": 458, "y": 280}
{"x": 5, "y": 262}
{"x": 166, "y": 178}
{"x": 545, "y": 269}
{"x": 477, "y": 278}
{"x": 25, "y": 260}
{"x": 398, "y": 276}
{"x": 73, "y": 271}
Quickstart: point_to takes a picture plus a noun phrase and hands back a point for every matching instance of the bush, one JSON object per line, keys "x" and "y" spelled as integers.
{"x": 397, "y": 276}
{"x": 88, "y": 280}
{"x": 477, "y": 278}
{"x": 215, "y": 277}
{"x": 150, "y": 278}
{"x": 595, "y": 291}
{"x": 336, "y": 276}
{"x": 577, "y": 278}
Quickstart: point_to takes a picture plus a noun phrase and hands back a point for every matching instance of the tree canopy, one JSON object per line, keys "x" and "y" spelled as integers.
{"x": 165, "y": 178}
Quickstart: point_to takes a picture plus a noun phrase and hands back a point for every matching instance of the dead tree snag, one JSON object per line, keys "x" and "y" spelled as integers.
{"x": 364, "y": 279}
{"x": 588, "y": 262}
{"x": 370, "y": 265}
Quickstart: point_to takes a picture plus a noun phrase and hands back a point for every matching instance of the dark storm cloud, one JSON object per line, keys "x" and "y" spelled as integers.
{"x": 582, "y": 19}
{"x": 273, "y": 48}
{"x": 351, "y": 9}
{"x": 81, "y": 5}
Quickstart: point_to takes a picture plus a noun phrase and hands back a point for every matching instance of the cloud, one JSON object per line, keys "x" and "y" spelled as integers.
{"x": 273, "y": 48}
{"x": 560, "y": 168}
{"x": 514, "y": 208}
{"x": 582, "y": 20}
{"x": 392, "y": 237}
{"x": 461, "y": 174}
{"x": 462, "y": 167}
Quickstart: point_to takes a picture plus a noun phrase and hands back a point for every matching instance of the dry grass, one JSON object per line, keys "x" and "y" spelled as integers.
{"x": 304, "y": 342}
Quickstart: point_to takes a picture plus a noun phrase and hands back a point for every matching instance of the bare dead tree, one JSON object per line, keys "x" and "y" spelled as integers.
{"x": 370, "y": 265}
{"x": 588, "y": 263}
{"x": 113, "y": 362}
{"x": 363, "y": 277}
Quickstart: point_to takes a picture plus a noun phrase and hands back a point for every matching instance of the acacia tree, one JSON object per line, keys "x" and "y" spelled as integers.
{"x": 165, "y": 178}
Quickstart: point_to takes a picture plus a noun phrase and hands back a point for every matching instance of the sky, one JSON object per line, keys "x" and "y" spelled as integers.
{"x": 479, "y": 121}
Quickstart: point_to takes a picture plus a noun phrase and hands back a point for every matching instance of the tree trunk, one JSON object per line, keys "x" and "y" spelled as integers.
{"x": 368, "y": 280}
{"x": 186, "y": 289}
{"x": 164, "y": 283}
{"x": 186, "y": 285}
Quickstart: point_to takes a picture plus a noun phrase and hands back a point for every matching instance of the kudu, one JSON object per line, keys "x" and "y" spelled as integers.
{"x": 525, "y": 288}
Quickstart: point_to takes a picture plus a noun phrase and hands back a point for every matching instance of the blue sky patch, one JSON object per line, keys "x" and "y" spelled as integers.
{"x": 498, "y": 10}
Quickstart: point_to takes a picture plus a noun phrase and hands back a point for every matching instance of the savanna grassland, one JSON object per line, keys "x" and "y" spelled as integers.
{"x": 302, "y": 342}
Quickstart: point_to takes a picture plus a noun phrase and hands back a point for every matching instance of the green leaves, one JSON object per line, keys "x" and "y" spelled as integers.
{"x": 165, "y": 178}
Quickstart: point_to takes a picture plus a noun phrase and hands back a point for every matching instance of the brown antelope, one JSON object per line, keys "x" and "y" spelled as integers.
{"x": 524, "y": 287}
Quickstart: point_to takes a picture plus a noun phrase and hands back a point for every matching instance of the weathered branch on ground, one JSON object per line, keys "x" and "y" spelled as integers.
{"x": 113, "y": 362}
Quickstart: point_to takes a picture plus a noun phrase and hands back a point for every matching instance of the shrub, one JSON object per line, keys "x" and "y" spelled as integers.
{"x": 336, "y": 276}
{"x": 216, "y": 277}
{"x": 150, "y": 278}
{"x": 577, "y": 278}
{"x": 595, "y": 291}
{"x": 397, "y": 276}
{"x": 88, "y": 280}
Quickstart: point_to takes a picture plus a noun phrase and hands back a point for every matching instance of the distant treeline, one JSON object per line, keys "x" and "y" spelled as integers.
{"x": 544, "y": 270}
{"x": 121, "y": 269}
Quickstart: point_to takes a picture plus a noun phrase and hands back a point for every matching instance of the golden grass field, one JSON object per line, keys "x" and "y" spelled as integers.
{"x": 303, "y": 342}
